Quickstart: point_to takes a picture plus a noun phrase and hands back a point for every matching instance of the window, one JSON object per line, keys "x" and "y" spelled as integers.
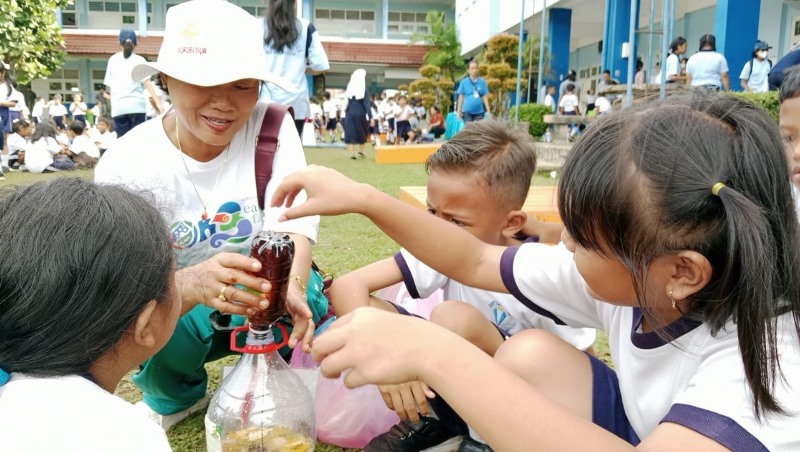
{"x": 345, "y": 22}
{"x": 112, "y": 7}
{"x": 129, "y": 20}
{"x": 68, "y": 20}
{"x": 404, "y": 24}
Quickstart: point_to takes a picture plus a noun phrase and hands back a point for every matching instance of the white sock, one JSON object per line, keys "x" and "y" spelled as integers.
{"x": 4, "y": 159}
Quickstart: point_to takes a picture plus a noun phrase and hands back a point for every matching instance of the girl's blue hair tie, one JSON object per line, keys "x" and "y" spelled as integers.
{"x": 4, "y": 377}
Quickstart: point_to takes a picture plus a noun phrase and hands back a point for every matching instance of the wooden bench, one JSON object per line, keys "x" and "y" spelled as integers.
{"x": 542, "y": 201}
{"x": 560, "y": 121}
{"x": 405, "y": 153}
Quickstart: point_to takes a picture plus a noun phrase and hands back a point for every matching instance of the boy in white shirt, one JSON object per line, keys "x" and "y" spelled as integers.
{"x": 16, "y": 143}
{"x": 459, "y": 191}
{"x": 568, "y": 105}
{"x": 82, "y": 150}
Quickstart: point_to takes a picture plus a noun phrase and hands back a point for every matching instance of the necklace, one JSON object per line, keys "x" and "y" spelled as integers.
{"x": 204, "y": 216}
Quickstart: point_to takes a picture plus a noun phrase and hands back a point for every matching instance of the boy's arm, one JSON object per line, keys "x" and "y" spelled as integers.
{"x": 353, "y": 290}
{"x": 443, "y": 246}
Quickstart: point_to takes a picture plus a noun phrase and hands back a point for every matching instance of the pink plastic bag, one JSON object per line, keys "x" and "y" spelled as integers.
{"x": 350, "y": 417}
{"x": 345, "y": 417}
{"x": 398, "y": 294}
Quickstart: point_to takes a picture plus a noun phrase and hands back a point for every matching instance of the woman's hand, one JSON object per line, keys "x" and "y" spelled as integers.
{"x": 213, "y": 283}
{"x": 329, "y": 193}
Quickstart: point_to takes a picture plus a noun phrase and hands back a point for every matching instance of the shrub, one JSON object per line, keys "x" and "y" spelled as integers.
{"x": 533, "y": 114}
{"x": 768, "y": 101}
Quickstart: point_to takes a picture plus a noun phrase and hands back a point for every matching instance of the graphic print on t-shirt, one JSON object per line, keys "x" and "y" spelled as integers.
{"x": 226, "y": 225}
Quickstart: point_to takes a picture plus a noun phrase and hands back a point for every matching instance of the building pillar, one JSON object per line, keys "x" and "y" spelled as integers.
{"x": 616, "y": 32}
{"x": 308, "y": 10}
{"x": 558, "y": 34}
{"x": 385, "y": 20}
{"x": 142, "y": 12}
{"x": 736, "y": 30}
{"x": 494, "y": 17}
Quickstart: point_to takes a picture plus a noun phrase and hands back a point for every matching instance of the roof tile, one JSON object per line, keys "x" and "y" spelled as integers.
{"x": 392, "y": 54}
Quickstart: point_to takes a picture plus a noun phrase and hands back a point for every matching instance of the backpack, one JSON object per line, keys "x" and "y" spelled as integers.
{"x": 750, "y": 71}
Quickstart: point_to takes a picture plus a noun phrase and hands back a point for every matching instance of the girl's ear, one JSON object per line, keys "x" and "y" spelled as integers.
{"x": 144, "y": 329}
{"x": 691, "y": 272}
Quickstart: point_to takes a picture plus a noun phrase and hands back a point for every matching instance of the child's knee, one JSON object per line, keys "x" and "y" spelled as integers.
{"x": 460, "y": 318}
{"x": 524, "y": 349}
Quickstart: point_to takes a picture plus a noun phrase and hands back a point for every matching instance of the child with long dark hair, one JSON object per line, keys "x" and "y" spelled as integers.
{"x": 683, "y": 249}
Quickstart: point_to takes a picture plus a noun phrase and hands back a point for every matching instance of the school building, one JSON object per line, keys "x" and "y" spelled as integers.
{"x": 585, "y": 35}
{"x": 370, "y": 34}
{"x": 590, "y": 35}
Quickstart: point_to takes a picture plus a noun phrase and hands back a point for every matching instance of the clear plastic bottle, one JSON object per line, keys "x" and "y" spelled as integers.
{"x": 262, "y": 405}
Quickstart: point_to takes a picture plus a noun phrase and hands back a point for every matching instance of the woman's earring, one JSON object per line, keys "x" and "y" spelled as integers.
{"x": 673, "y": 300}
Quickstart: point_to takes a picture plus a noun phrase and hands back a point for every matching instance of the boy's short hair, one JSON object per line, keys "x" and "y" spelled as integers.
{"x": 19, "y": 124}
{"x": 77, "y": 127}
{"x": 790, "y": 88}
{"x": 570, "y": 87}
{"x": 504, "y": 157}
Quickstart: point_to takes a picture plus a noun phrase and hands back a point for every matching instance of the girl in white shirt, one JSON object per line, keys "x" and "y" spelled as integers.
{"x": 682, "y": 248}
{"x": 79, "y": 311}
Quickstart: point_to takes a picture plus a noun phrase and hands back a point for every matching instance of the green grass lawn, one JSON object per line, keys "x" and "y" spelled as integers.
{"x": 345, "y": 243}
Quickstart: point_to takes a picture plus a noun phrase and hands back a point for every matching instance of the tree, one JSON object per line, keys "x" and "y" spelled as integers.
{"x": 499, "y": 68}
{"x": 444, "y": 50}
{"x": 432, "y": 88}
{"x": 30, "y": 39}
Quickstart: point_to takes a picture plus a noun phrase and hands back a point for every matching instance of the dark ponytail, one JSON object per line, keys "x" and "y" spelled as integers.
{"x": 633, "y": 189}
{"x": 282, "y": 29}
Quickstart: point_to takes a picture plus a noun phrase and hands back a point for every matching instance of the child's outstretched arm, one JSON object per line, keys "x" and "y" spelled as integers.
{"x": 353, "y": 290}
{"x": 443, "y": 246}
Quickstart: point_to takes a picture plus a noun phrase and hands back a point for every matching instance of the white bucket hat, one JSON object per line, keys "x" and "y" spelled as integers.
{"x": 209, "y": 43}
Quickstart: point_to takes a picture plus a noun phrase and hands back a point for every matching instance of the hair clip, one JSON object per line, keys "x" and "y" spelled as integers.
{"x": 716, "y": 188}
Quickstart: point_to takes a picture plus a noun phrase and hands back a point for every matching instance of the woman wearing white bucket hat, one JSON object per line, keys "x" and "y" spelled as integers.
{"x": 199, "y": 159}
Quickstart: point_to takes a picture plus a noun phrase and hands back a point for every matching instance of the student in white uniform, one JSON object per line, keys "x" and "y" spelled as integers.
{"x": 756, "y": 71}
{"x": 682, "y": 248}
{"x": 708, "y": 69}
{"x": 78, "y": 311}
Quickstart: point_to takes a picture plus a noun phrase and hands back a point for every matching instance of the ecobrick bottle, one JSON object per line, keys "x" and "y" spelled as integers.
{"x": 262, "y": 405}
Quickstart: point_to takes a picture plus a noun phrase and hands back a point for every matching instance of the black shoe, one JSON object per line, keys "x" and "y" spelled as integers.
{"x": 361, "y": 154}
{"x": 428, "y": 434}
{"x": 352, "y": 157}
{"x": 470, "y": 445}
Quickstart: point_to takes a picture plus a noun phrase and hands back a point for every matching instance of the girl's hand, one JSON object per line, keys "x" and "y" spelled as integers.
{"x": 213, "y": 283}
{"x": 377, "y": 347}
{"x": 329, "y": 193}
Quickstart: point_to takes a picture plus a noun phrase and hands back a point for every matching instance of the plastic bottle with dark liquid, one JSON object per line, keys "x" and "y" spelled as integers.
{"x": 275, "y": 251}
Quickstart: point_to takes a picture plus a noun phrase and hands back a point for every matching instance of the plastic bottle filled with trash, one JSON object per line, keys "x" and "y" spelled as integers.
{"x": 262, "y": 405}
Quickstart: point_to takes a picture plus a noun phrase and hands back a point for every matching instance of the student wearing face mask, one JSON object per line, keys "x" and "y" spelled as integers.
{"x": 755, "y": 71}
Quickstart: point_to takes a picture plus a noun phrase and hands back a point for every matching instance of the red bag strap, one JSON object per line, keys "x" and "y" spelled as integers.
{"x": 267, "y": 144}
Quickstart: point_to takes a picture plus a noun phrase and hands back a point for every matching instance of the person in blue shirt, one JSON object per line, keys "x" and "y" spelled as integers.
{"x": 777, "y": 73}
{"x": 473, "y": 102}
